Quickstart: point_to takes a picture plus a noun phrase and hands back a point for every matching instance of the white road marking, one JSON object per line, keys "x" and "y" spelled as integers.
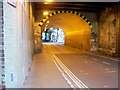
{"x": 81, "y": 71}
{"x": 84, "y": 55}
{"x": 64, "y": 76}
{"x": 106, "y": 86}
{"x": 76, "y": 81}
{"x": 117, "y": 59}
{"x": 79, "y": 83}
{"x": 94, "y": 59}
{"x": 106, "y": 69}
{"x": 86, "y": 73}
{"x": 111, "y": 71}
{"x": 106, "y": 63}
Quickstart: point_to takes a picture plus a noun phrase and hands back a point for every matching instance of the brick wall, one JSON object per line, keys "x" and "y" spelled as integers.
{"x": 0, "y": 41}
{"x": 18, "y": 42}
{"x": 2, "y": 67}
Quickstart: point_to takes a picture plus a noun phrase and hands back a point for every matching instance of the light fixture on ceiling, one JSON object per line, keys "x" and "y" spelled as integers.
{"x": 45, "y": 13}
{"x": 49, "y": 0}
{"x": 45, "y": 2}
{"x": 48, "y": 21}
{"x": 45, "y": 29}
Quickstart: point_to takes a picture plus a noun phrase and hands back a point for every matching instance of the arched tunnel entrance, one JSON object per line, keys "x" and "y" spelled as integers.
{"x": 21, "y": 35}
{"x": 77, "y": 28}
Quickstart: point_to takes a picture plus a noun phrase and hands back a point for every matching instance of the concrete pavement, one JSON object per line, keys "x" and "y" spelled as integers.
{"x": 44, "y": 74}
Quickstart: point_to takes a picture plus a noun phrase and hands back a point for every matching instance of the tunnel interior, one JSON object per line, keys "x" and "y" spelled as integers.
{"x": 21, "y": 34}
{"x": 77, "y": 30}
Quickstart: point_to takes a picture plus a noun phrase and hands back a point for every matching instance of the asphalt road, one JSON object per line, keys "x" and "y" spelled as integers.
{"x": 95, "y": 71}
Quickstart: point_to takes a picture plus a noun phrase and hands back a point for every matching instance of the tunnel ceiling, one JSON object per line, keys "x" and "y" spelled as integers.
{"x": 77, "y": 6}
{"x": 92, "y": 7}
{"x": 68, "y": 22}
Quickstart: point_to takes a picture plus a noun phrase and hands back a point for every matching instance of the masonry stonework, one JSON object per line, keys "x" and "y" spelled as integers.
{"x": 118, "y": 30}
{"x": 109, "y": 30}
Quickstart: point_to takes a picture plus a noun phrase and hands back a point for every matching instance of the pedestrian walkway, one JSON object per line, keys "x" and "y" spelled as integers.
{"x": 43, "y": 72}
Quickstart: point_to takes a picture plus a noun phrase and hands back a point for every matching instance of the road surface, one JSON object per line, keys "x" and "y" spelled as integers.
{"x": 93, "y": 70}
{"x": 58, "y": 66}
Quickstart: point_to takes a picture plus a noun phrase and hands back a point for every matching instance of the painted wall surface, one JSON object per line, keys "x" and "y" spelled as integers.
{"x": 79, "y": 38}
{"x": 18, "y": 43}
{"x": 80, "y": 32}
{"x": 109, "y": 30}
{"x": 76, "y": 29}
{"x": 71, "y": 23}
